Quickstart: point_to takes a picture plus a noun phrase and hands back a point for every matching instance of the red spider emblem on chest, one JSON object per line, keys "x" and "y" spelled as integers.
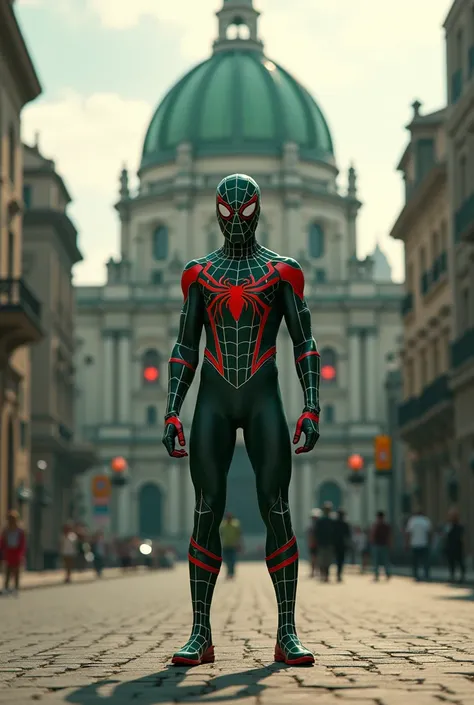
{"x": 237, "y": 297}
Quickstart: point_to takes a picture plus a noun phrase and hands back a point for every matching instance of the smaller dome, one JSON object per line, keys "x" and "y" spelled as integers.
{"x": 382, "y": 268}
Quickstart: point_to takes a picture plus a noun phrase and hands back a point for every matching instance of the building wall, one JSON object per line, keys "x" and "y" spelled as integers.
{"x": 10, "y": 267}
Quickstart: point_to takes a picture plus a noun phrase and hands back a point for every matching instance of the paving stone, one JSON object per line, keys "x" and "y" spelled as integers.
{"x": 109, "y": 642}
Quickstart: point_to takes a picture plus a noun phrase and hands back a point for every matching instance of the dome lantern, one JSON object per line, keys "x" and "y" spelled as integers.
{"x": 238, "y": 27}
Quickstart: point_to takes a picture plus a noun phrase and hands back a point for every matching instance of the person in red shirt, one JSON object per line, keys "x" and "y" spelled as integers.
{"x": 12, "y": 548}
{"x": 380, "y": 540}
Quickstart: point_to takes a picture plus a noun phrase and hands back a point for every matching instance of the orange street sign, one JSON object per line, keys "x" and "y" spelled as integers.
{"x": 101, "y": 487}
{"x": 383, "y": 453}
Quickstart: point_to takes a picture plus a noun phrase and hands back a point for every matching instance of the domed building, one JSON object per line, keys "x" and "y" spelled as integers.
{"x": 237, "y": 111}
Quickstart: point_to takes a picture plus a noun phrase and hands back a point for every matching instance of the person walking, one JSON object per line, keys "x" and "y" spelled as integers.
{"x": 454, "y": 546}
{"x": 98, "y": 548}
{"x": 231, "y": 537}
{"x": 13, "y": 549}
{"x": 312, "y": 541}
{"x": 381, "y": 541}
{"x": 325, "y": 541}
{"x": 342, "y": 540}
{"x": 418, "y": 537}
{"x": 68, "y": 550}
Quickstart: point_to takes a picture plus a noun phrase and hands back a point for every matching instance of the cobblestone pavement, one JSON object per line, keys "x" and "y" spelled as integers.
{"x": 109, "y": 643}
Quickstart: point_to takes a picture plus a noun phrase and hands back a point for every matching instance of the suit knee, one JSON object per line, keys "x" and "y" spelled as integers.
{"x": 208, "y": 515}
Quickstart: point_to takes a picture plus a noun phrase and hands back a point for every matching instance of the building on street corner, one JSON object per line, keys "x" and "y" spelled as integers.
{"x": 210, "y": 125}
{"x": 426, "y": 419}
{"x": 20, "y": 310}
{"x": 436, "y": 224}
{"x": 459, "y": 28}
{"x": 50, "y": 250}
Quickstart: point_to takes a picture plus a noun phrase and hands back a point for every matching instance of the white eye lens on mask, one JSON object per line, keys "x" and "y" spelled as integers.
{"x": 225, "y": 212}
{"x": 247, "y": 212}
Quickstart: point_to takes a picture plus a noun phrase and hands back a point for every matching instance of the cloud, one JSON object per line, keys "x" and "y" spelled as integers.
{"x": 91, "y": 136}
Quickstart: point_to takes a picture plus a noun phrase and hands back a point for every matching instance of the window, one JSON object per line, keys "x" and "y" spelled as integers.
{"x": 160, "y": 242}
{"x": 425, "y": 157}
{"x": 436, "y": 360}
{"x": 320, "y": 276}
{"x": 462, "y": 179}
{"x": 465, "y": 312}
{"x": 27, "y": 193}
{"x": 435, "y": 250}
{"x": 409, "y": 380}
{"x": 11, "y": 255}
{"x": 328, "y": 414}
{"x": 157, "y": 277}
{"x": 423, "y": 369}
{"x": 328, "y": 366}
{"x": 459, "y": 49}
{"x": 316, "y": 240}
{"x": 151, "y": 366}
{"x": 11, "y": 154}
{"x": 151, "y": 415}
{"x": 23, "y": 434}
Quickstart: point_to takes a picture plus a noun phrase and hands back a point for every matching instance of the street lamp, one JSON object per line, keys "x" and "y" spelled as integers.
{"x": 355, "y": 463}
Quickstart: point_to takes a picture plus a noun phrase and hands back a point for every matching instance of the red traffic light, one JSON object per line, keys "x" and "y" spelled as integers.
{"x": 151, "y": 374}
{"x": 355, "y": 462}
{"x": 328, "y": 373}
{"x": 119, "y": 464}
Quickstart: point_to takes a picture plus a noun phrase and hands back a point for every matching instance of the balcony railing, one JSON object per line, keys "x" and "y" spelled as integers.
{"x": 15, "y": 295}
{"x": 464, "y": 220}
{"x": 456, "y": 85}
{"x": 462, "y": 349}
{"x": 414, "y": 408}
{"x": 471, "y": 60}
{"x": 407, "y": 304}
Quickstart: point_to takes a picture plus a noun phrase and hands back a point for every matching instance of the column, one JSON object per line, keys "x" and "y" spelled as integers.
{"x": 372, "y": 375}
{"x": 356, "y": 505}
{"x": 124, "y": 380}
{"x": 108, "y": 377}
{"x": 123, "y": 510}
{"x": 354, "y": 376}
{"x": 173, "y": 502}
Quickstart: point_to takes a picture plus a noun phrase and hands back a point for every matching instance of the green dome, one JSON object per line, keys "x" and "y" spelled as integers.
{"x": 237, "y": 102}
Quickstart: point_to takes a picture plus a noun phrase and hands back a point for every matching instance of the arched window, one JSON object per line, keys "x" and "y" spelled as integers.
{"x": 151, "y": 366}
{"x": 160, "y": 242}
{"x": 329, "y": 415}
{"x": 316, "y": 240}
{"x": 328, "y": 366}
{"x": 151, "y": 415}
{"x": 330, "y": 492}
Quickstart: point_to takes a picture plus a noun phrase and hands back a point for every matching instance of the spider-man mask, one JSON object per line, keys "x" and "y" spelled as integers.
{"x": 238, "y": 207}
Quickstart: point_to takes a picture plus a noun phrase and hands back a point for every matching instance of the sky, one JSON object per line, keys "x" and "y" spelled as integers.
{"x": 105, "y": 65}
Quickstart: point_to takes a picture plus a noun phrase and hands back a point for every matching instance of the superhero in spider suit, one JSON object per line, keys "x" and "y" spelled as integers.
{"x": 239, "y": 294}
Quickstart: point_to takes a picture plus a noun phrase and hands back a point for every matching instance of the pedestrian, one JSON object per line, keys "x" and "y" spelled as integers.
{"x": 342, "y": 541}
{"x": 418, "y": 537}
{"x": 68, "y": 550}
{"x": 231, "y": 537}
{"x": 312, "y": 541}
{"x": 13, "y": 549}
{"x": 325, "y": 541}
{"x": 98, "y": 549}
{"x": 381, "y": 541}
{"x": 454, "y": 546}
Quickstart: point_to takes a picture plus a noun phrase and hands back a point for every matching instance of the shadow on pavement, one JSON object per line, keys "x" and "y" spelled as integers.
{"x": 167, "y": 686}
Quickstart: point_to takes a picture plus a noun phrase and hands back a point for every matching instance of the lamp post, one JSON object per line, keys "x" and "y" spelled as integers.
{"x": 355, "y": 463}
{"x": 40, "y": 501}
{"x": 119, "y": 478}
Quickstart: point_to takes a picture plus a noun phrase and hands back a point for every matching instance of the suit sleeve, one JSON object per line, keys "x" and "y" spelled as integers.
{"x": 184, "y": 357}
{"x": 298, "y": 321}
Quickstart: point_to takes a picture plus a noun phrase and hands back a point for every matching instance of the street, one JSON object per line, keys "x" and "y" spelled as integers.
{"x": 110, "y": 642}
